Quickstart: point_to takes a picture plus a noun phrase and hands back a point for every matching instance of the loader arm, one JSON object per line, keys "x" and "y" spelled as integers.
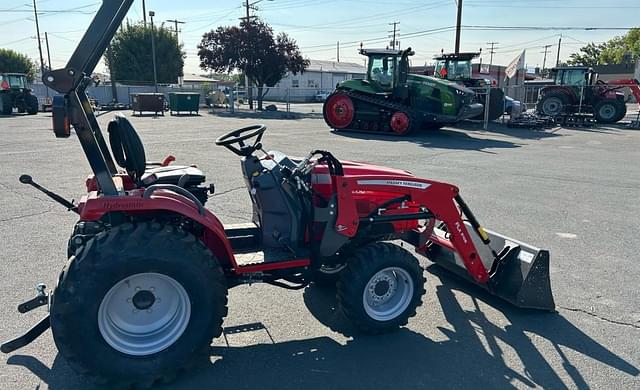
{"x": 437, "y": 199}
{"x": 632, "y": 84}
{"x": 451, "y": 236}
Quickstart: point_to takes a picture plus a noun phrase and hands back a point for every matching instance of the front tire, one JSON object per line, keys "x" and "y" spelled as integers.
{"x": 138, "y": 303}
{"x": 381, "y": 288}
{"x": 609, "y": 111}
{"x": 328, "y": 275}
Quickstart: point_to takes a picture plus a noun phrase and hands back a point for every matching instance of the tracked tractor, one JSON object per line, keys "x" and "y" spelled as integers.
{"x": 144, "y": 289}
{"x": 15, "y": 94}
{"x": 459, "y": 69}
{"x": 575, "y": 90}
{"x": 391, "y": 100}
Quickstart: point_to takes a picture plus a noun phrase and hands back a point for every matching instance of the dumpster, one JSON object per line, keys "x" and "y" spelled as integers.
{"x": 148, "y": 102}
{"x": 184, "y": 102}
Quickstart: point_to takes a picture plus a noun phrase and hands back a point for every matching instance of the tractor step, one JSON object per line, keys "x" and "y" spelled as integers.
{"x": 270, "y": 259}
{"x": 243, "y": 237}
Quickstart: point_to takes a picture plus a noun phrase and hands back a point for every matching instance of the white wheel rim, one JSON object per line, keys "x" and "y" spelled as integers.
{"x": 144, "y": 314}
{"x": 607, "y": 111}
{"x": 552, "y": 106}
{"x": 388, "y": 294}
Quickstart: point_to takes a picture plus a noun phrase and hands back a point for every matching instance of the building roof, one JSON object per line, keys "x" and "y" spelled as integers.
{"x": 615, "y": 69}
{"x": 195, "y": 78}
{"x": 336, "y": 67}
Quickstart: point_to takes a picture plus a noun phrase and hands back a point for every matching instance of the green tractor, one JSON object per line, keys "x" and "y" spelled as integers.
{"x": 392, "y": 101}
{"x": 14, "y": 93}
{"x": 457, "y": 67}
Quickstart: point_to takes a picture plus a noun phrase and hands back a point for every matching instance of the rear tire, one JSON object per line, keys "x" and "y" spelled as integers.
{"x": 142, "y": 339}
{"x": 553, "y": 103}
{"x": 381, "y": 288}
{"x": 609, "y": 111}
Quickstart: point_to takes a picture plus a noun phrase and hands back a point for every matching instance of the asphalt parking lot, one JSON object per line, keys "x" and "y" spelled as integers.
{"x": 573, "y": 191}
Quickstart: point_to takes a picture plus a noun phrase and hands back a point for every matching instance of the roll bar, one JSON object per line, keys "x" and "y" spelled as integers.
{"x": 73, "y": 80}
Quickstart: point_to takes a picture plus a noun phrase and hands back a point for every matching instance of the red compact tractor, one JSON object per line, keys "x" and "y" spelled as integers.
{"x": 145, "y": 288}
{"x": 575, "y": 90}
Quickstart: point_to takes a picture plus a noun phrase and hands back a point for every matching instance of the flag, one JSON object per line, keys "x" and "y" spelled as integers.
{"x": 515, "y": 65}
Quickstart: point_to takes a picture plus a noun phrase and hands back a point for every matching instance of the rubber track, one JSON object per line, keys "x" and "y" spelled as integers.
{"x": 382, "y": 103}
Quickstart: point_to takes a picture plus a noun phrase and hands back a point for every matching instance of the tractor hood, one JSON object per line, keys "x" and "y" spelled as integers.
{"x": 352, "y": 168}
{"x": 432, "y": 81}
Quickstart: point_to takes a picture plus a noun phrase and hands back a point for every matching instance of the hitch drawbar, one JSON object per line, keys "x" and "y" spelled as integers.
{"x": 41, "y": 299}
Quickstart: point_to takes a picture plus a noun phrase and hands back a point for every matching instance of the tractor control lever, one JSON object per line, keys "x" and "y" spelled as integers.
{"x": 26, "y": 179}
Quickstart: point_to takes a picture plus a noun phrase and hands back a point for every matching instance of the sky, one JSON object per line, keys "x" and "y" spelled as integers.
{"x": 317, "y": 25}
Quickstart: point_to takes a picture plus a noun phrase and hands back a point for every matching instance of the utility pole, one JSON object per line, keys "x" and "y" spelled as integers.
{"x": 46, "y": 39}
{"x": 338, "y": 51}
{"x": 393, "y": 37}
{"x": 35, "y": 13}
{"x": 559, "y": 46}
{"x": 544, "y": 61}
{"x": 458, "y": 26}
{"x": 153, "y": 51}
{"x": 176, "y": 22}
{"x": 144, "y": 13}
{"x": 492, "y": 52}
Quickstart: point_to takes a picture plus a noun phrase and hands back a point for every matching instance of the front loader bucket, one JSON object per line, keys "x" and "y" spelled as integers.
{"x": 520, "y": 276}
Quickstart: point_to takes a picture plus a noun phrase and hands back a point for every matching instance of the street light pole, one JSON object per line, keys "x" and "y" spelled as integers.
{"x": 153, "y": 52}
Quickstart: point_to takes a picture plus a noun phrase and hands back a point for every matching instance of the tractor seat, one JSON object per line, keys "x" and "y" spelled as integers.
{"x": 172, "y": 174}
{"x": 128, "y": 152}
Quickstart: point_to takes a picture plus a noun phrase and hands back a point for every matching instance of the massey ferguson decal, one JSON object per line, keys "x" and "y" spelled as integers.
{"x": 394, "y": 183}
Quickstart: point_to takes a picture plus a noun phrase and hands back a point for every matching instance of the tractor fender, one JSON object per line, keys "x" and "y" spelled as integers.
{"x": 93, "y": 207}
{"x": 572, "y": 98}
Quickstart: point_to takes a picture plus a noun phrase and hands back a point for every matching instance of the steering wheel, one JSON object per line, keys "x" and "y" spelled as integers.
{"x": 238, "y": 136}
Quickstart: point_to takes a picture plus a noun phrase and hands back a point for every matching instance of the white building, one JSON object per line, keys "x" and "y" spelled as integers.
{"x": 320, "y": 76}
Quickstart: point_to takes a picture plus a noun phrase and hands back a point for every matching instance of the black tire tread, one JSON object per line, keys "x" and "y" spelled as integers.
{"x": 560, "y": 94}
{"x": 362, "y": 265}
{"x": 122, "y": 239}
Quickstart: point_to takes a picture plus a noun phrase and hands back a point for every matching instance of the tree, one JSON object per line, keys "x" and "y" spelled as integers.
{"x": 622, "y": 49}
{"x": 617, "y": 50}
{"x": 588, "y": 56}
{"x": 13, "y": 62}
{"x": 130, "y": 56}
{"x": 253, "y": 49}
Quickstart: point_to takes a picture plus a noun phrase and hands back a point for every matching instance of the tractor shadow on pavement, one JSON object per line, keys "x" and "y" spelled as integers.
{"x": 457, "y": 139}
{"x": 470, "y": 356}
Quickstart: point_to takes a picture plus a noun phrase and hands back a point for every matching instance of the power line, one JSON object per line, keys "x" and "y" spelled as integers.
{"x": 394, "y": 32}
{"x": 492, "y": 51}
{"x": 544, "y": 61}
{"x": 176, "y": 22}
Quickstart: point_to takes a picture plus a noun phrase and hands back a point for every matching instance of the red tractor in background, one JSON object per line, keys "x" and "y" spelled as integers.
{"x": 576, "y": 90}
{"x": 144, "y": 290}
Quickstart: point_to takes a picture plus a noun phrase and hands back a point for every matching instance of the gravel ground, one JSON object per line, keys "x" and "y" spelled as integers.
{"x": 572, "y": 191}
